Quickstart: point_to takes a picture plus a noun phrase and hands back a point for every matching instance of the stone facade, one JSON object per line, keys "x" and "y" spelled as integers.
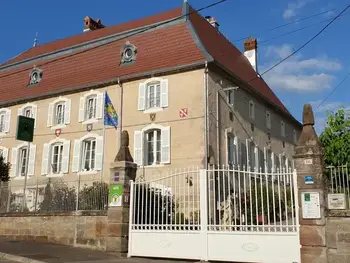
{"x": 80, "y": 229}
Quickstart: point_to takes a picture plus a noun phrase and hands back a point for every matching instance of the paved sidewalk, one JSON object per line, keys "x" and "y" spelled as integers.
{"x": 53, "y": 253}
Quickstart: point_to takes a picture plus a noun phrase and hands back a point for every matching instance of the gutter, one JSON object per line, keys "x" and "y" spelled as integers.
{"x": 218, "y": 127}
{"x": 206, "y": 126}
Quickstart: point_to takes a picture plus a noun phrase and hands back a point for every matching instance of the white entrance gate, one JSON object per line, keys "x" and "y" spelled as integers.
{"x": 224, "y": 214}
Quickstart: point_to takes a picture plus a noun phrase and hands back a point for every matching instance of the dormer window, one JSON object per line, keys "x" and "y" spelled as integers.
{"x": 35, "y": 76}
{"x": 128, "y": 53}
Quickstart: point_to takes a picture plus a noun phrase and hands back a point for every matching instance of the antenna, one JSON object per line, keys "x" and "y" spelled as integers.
{"x": 35, "y": 39}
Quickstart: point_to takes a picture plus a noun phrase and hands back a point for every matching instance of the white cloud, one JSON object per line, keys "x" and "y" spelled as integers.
{"x": 293, "y": 9}
{"x": 298, "y": 73}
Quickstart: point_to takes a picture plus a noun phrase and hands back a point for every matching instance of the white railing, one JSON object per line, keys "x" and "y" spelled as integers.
{"x": 237, "y": 199}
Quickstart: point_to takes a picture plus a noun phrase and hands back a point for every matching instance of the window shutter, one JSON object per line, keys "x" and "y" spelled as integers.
{"x": 50, "y": 115}
{"x": 138, "y": 147}
{"x": 20, "y": 112}
{"x": 5, "y": 154}
{"x": 99, "y": 153}
{"x": 82, "y": 109}
{"x": 14, "y": 156}
{"x": 256, "y": 157}
{"x": 35, "y": 110}
{"x": 235, "y": 151}
{"x": 142, "y": 96}
{"x": 45, "y": 159}
{"x": 273, "y": 162}
{"x": 31, "y": 164}
{"x": 247, "y": 152}
{"x": 166, "y": 149}
{"x": 76, "y": 156}
{"x": 65, "y": 157}
{"x": 164, "y": 93}
{"x": 67, "y": 112}
{"x": 265, "y": 159}
{"x": 99, "y": 106}
{"x": 7, "y": 120}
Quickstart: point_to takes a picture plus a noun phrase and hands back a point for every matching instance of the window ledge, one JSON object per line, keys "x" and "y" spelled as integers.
{"x": 87, "y": 172}
{"x": 153, "y": 166}
{"x": 60, "y": 126}
{"x": 19, "y": 178}
{"x": 89, "y": 121}
{"x": 54, "y": 175}
{"x": 152, "y": 110}
{"x": 3, "y": 134}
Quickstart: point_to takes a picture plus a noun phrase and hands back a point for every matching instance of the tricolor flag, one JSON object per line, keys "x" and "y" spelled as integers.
{"x": 110, "y": 116}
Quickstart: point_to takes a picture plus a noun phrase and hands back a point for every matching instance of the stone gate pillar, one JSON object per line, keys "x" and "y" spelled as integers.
{"x": 122, "y": 170}
{"x": 308, "y": 160}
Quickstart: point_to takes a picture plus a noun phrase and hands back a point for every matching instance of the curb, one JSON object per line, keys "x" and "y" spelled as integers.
{"x": 18, "y": 258}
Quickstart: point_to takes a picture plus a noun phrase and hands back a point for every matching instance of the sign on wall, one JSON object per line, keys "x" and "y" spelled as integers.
{"x": 310, "y": 205}
{"x": 116, "y": 195}
{"x": 25, "y": 129}
{"x": 183, "y": 112}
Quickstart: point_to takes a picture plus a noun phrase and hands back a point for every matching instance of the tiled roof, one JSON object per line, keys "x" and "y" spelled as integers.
{"x": 167, "y": 47}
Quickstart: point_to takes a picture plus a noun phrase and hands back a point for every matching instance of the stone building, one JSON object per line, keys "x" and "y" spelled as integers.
{"x": 180, "y": 88}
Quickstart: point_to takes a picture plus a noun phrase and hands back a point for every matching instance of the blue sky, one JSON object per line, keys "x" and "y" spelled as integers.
{"x": 307, "y": 77}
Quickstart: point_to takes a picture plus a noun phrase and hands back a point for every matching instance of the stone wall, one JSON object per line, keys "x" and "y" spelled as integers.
{"x": 338, "y": 236}
{"x": 82, "y": 229}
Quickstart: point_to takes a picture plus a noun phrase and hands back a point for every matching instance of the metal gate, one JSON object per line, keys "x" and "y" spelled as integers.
{"x": 224, "y": 214}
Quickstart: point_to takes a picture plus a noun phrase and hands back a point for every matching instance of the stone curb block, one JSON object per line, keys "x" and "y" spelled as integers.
{"x": 18, "y": 258}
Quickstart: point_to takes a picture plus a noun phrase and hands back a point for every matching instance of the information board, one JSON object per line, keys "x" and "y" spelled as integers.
{"x": 310, "y": 205}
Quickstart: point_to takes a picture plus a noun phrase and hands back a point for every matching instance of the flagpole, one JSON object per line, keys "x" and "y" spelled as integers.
{"x": 120, "y": 114}
{"x": 104, "y": 136}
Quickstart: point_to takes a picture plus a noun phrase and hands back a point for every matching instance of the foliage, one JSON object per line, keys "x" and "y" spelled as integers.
{"x": 4, "y": 170}
{"x": 336, "y": 138}
{"x": 58, "y": 198}
{"x": 94, "y": 197}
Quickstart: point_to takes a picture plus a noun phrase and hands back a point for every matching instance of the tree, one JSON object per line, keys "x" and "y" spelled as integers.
{"x": 4, "y": 170}
{"x": 336, "y": 138}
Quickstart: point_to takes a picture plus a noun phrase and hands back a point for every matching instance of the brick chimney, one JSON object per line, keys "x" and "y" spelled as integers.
{"x": 91, "y": 24}
{"x": 212, "y": 21}
{"x": 250, "y": 52}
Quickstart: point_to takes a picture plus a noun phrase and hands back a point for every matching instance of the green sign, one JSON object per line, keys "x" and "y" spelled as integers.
{"x": 307, "y": 197}
{"x": 116, "y": 194}
{"x": 25, "y": 129}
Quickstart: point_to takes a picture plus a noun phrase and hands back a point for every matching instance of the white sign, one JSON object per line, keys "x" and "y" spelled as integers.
{"x": 337, "y": 201}
{"x": 308, "y": 161}
{"x": 310, "y": 205}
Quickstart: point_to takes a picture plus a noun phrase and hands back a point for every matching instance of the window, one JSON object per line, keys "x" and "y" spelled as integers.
{"x": 231, "y": 150}
{"x": 22, "y": 165}
{"x": 153, "y": 95}
{"x": 283, "y": 129}
{"x": 5, "y": 116}
{"x": 152, "y": 145}
{"x": 56, "y": 158}
{"x": 88, "y": 154}
{"x": 268, "y": 120}
{"x": 19, "y": 160}
{"x": 269, "y": 162}
{"x": 91, "y": 106}
{"x": 28, "y": 110}
{"x": 89, "y": 148}
{"x": 59, "y": 113}
{"x": 252, "y": 153}
{"x": 230, "y": 96}
{"x": 251, "y": 110}
{"x": 295, "y": 138}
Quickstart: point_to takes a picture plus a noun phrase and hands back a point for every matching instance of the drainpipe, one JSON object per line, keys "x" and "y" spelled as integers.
{"x": 217, "y": 127}
{"x": 121, "y": 113}
{"x": 206, "y": 123}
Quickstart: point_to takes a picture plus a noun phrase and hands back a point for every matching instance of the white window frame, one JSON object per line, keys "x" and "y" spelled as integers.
{"x": 52, "y": 114}
{"x": 268, "y": 120}
{"x": 33, "y": 111}
{"x": 143, "y": 96}
{"x": 230, "y": 96}
{"x": 98, "y": 108}
{"x": 251, "y": 110}
{"x": 47, "y": 157}
{"x": 231, "y": 138}
{"x": 140, "y": 147}
{"x": 283, "y": 129}
{"x": 5, "y": 117}
{"x": 16, "y": 158}
{"x": 78, "y": 154}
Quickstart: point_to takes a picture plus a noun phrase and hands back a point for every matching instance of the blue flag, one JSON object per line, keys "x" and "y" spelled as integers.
{"x": 111, "y": 117}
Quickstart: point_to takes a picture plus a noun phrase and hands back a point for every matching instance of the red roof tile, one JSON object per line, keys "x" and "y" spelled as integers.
{"x": 229, "y": 56}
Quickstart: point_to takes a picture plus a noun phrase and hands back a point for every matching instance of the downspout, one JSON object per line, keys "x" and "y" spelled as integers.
{"x": 217, "y": 128}
{"x": 206, "y": 123}
{"x": 121, "y": 113}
